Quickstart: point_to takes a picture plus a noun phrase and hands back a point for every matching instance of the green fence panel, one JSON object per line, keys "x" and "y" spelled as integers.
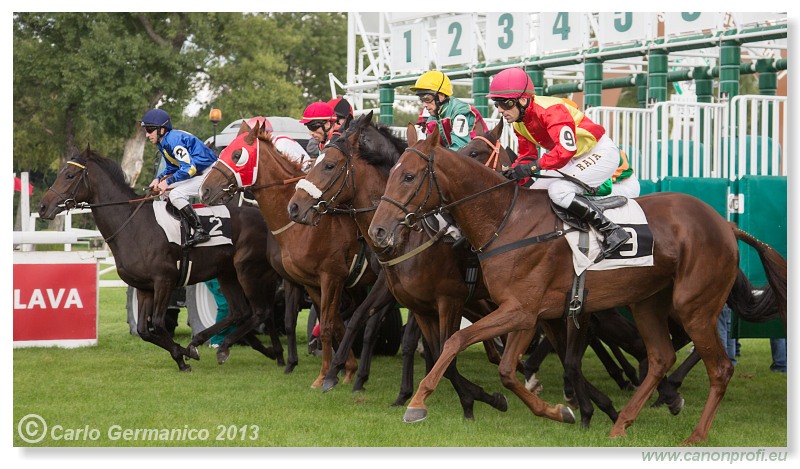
{"x": 648, "y": 187}
{"x": 713, "y": 191}
{"x": 765, "y": 217}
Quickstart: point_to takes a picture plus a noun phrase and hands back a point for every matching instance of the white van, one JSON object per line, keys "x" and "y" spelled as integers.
{"x": 286, "y": 126}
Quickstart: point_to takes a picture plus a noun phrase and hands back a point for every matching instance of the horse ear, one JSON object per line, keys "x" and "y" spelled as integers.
{"x": 411, "y": 134}
{"x": 252, "y": 134}
{"x": 479, "y": 128}
{"x": 244, "y": 128}
{"x": 498, "y": 129}
{"x": 370, "y": 116}
{"x": 434, "y": 137}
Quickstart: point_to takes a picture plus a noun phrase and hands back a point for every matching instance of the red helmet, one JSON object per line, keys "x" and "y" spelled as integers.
{"x": 260, "y": 120}
{"x": 318, "y": 111}
{"x": 511, "y": 83}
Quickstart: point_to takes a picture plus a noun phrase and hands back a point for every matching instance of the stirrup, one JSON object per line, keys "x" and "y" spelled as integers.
{"x": 609, "y": 249}
{"x": 197, "y": 238}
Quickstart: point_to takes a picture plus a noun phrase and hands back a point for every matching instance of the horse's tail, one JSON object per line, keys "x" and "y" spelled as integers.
{"x": 772, "y": 302}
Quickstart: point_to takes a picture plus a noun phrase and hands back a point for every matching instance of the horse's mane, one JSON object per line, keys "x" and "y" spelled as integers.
{"x": 267, "y": 139}
{"x": 112, "y": 169}
{"x": 383, "y": 151}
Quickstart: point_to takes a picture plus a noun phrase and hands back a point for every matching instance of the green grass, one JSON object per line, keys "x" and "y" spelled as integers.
{"x": 126, "y": 382}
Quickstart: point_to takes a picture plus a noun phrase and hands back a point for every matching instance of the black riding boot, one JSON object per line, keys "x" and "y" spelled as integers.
{"x": 199, "y": 234}
{"x": 613, "y": 235}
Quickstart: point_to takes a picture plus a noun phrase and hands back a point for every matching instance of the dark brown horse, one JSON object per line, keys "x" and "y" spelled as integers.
{"x": 695, "y": 268}
{"x": 147, "y": 261}
{"x": 352, "y": 172}
{"x": 319, "y": 258}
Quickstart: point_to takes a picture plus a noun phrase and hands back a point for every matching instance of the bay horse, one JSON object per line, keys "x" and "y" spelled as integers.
{"x": 146, "y": 260}
{"x": 695, "y": 268}
{"x": 352, "y": 172}
{"x": 425, "y": 274}
{"x": 319, "y": 258}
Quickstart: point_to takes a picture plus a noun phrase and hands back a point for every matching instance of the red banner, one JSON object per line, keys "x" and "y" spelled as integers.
{"x": 55, "y": 304}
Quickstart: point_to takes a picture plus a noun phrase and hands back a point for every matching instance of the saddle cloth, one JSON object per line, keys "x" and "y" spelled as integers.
{"x": 216, "y": 220}
{"x": 637, "y": 252}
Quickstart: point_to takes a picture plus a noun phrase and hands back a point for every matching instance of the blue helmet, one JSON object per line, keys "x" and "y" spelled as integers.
{"x": 157, "y": 118}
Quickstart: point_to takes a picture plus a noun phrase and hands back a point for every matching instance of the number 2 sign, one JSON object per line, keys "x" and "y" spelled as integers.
{"x": 455, "y": 36}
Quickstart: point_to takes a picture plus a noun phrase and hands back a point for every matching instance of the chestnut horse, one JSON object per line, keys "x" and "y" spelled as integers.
{"x": 695, "y": 268}
{"x": 147, "y": 261}
{"x": 352, "y": 172}
{"x": 319, "y": 258}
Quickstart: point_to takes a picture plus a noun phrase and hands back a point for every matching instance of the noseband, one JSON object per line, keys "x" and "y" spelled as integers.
{"x": 347, "y": 171}
{"x": 412, "y": 218}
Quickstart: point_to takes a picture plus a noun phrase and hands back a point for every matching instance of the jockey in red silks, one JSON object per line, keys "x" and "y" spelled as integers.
{"x": 577, "y": 147}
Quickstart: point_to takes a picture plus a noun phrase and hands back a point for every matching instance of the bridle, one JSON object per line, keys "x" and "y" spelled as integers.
{"x": 68, "y": 201}
{"x": 411, "y": 219}
{"x": 494, "y": 157}
{"x": 346, "y": 172}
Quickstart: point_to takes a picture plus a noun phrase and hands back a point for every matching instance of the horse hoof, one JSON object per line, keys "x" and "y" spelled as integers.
{"x": 289, "y": 368}
{"x": 571, "y": 401}
{"x": 676, "y": 407}
{"x": 281, "y": 361}
{"x": 193, "y": 353}
{"x": 329, "y": 384}
{"x": 223, "y": 355}
{"x": 567, "y": 416}
{"x": 186, "y": 369}
{"x": 415, "y": 415}
{"x": 501, "y": 402}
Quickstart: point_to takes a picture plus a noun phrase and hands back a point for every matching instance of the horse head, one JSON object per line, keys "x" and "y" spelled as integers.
{"x": 236, "y": 168}
{"x": 412, "y": 192}
{"x": 487, "y": 148}
{"x": 70, "y": 188}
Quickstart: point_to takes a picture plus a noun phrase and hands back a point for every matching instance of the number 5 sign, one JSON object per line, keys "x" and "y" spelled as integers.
{"x": 455, "y": 40}
{"x": 560, "y": 31}
{"x": 409, "y": 47}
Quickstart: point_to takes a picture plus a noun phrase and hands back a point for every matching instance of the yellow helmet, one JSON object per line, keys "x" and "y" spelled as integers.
{"x": 433, "y": 82}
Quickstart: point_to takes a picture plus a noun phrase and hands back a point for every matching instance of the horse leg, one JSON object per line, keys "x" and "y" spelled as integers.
{"x": 650, "y": 316}
{"x": 370, "y": 339}
{"x": 571, "y": 346}
{"x": 331, "y": 325}
{"x": 532, "y": 364}
{"x": 608, "y": 362}
{"x": 505, "y": 319}
{"x": 668, "y": 387}
{"x": 627, "y": 368}
{"x": 411, "y": 335}
{"x": 718, "y": 366}
{"x": 292, "y": 294}
{"x": 150, "y": 330}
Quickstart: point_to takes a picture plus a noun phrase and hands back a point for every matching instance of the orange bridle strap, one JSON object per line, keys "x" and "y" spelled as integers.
{"x": 495, "y": 156}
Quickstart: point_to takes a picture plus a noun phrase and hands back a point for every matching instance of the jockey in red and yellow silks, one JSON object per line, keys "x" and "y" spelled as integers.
{"x": 576, "y": 147}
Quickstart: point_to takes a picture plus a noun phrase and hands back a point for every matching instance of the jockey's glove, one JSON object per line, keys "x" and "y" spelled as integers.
{"x": 521, "y": 171}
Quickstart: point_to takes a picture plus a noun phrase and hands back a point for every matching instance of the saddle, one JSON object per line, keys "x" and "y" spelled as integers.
{"x": 605, "y": 203}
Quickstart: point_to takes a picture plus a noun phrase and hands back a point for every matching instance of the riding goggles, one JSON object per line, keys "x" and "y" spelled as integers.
{"x": 150, "y": 128}
{"x": 314, "y": 125}
{"x": 426, "y": 98}
{"x": 505, "y": 104}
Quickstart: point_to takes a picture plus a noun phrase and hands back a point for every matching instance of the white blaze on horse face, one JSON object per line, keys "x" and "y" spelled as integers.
{"x": 309, "y": 187}
{"x": 243, "y": 158}
{"x": 319, "y": 158}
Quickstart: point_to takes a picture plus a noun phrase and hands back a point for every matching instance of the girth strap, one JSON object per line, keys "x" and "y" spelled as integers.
{"x": 524, "y": 242}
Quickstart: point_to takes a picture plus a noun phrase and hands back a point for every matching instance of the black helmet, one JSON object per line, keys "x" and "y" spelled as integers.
{"x": 157, "y": 118}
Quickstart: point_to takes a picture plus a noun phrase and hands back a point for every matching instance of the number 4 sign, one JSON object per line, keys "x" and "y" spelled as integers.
{"x": 560, "y": 31}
